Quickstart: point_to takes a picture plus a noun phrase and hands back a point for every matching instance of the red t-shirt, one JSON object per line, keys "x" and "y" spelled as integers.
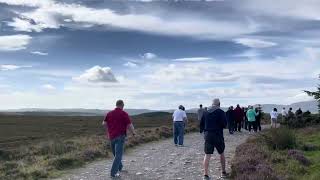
{"x": 117, "y": 123}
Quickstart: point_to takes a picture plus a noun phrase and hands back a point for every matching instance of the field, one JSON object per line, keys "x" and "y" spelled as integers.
{"x": 34, "y": 147}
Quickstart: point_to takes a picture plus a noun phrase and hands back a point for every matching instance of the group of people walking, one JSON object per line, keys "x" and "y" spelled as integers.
{"x": 212, "y": 121}
{"x": 240, "y": 118}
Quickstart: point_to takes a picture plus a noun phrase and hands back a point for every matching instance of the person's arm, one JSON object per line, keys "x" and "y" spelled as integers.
{"x": 223, "y": 120}
{"x": 130, "y": 126}
{"x": 185, "y": 118}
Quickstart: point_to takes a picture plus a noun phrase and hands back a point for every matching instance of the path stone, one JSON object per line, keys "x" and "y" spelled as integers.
{"x": 162, "y": 160}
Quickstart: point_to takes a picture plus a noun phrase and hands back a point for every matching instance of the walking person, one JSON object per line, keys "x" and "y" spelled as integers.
{"x": 230, "y": 119}
{"x": 251, "y": 116}
{"x": 212, "y": 124}
{"x": 284, "y": 115}
{"x": 239, "y": 115}
{"x": 179, "y": 120}
{"x": 258, "y": 118}
{"x": 246, "y": 123}
{"x": 200, "y": 112}
{"x": 274, "y": 117}
{"x": 117, "y": 122}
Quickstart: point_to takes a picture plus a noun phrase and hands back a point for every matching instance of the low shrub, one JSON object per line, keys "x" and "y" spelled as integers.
{"x": 91, "y": 154}
{"x": 299, "y": 156}
{"x": 62, "y": 163}
{"x": 310, "y": 147}
{"x": 281, "y": 138}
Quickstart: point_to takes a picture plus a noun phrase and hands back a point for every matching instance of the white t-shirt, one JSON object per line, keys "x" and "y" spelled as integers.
{"x": 284, "y": 112}
{"x": 178, "y": 115}
{"x": 274, "y": 114}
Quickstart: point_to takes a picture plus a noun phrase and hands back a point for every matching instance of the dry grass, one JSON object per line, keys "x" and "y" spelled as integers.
{"x": 60, "y": 148}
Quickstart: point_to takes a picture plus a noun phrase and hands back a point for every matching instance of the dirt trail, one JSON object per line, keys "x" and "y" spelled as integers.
{"x": 162, "y": 160}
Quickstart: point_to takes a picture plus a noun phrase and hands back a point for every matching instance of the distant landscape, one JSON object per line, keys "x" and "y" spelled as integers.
{"x": 305, "y": 106}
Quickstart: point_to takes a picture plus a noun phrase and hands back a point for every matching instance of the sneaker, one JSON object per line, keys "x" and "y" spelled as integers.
{"x": 116, "y": 176}
{"x": 180, "y": 145}
{"x": 176, "y": 144}
{"x": 206, "y": 177}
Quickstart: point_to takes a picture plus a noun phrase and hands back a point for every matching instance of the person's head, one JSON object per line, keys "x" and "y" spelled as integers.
{"x": 284, "y": 108}
{"x": 238, "y": 105}
{"x": 290, "y": 109}
{"x": 216, "y": 102}
{"x": 231, "y": 107}
{"x": 180, "y": 107}
{"x": 275, "y": 109}
{"x": 120, "y": 104}
{"x": 200, "y": 106}
{"x": 299, "y": 109}
{"x": 256, "y": 109}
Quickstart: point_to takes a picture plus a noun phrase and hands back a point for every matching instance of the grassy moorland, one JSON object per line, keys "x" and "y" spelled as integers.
{"x": 34, "y": 147}
{"x": 283, "y": 153}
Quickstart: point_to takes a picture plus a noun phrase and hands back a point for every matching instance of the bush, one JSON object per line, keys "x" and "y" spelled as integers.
{"x": 91, "y": 154}
{"x": 281, "y": 138}
{"x": 299, "y": 156}
{"x": 55, "y": 148}
{"x": 66, "y": 162}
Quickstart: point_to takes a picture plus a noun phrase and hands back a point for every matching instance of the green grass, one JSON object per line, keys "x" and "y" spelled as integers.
{"x": 35, "y": 147}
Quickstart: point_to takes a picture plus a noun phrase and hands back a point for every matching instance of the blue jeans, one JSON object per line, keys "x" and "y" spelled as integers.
{"x": 117, "y": 146}
{"x": 178, "y": 132}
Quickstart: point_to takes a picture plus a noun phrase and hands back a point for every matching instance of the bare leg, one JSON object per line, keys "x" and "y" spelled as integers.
{"x": 206, "y": 161}
{"x": 223, "y": 162}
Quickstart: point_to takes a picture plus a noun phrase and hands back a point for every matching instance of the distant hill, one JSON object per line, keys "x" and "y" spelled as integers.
{"x": 311, "y": 106}
{"x": 306, "y": 105}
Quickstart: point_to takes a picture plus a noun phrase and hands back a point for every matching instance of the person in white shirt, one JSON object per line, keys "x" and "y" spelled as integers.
{"x": 179, "y": 119}
{"x": 274, "y": 116}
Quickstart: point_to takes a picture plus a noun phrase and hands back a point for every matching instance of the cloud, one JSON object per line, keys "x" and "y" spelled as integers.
{"x": 39, "y": 53}
{"x": 254, "y": 43}
{"x": 11, "y": 67}
{"x": 130, "y": 64}
{"x": 97, "y": 74}
{"x": 192, "y": 59}
{"x": 48, "y": 14}
{"x": 48, "y": 87}
{"x": 149, "y": 56}
{"x": 14, "y": 42}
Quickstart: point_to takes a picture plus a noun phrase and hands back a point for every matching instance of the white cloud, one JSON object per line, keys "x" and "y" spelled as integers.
{"x": 97, "y": 74}
{"x": 14, "y": 42}
{"x": 39, "y": 53}
{"x": 193, "y": 59}
{"x": 11, "y": 67}
{"x": 254, "y": 43}
{"x": 48, "y": 87}
{"x": 45, "y": 16}
{"x": 130, "y": 64}
{"x": 307, "y": 9}
{"x": 149, "y": 56}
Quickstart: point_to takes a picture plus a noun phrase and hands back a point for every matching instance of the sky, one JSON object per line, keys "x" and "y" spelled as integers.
{"x": 157, "y": 54}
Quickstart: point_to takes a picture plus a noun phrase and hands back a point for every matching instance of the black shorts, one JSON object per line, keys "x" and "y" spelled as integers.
{"x": 213, "y": 140}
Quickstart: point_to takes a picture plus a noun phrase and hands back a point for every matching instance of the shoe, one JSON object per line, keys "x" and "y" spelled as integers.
{"x": 116, "y": 176}
{"x": 224, "y": 174}
{"x": 176, "y": 144}
{"x": 206, "y": 177}
{"x": 180, "y": 145}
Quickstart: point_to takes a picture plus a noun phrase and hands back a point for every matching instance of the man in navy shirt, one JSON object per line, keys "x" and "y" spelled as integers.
{"x": 212, "y": 124}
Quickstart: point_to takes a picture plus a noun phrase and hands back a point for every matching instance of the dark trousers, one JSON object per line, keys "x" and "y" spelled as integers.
{"x": 178, "y": 132}
{"x": 230, "y": 125}
{"x": 252, "y": 124}
{"x": 246, "y": 124}
{"x": 237, "y": 126}
{"x": 117, "y": 146}
{"x": 258, "y": 124}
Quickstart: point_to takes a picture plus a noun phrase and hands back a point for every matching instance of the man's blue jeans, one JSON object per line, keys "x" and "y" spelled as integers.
{"x": 117, "y": 146}
{"x": 178, "y": 132}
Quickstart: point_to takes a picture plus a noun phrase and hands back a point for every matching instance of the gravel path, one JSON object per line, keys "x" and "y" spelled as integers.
{"x": 162, "y": 160}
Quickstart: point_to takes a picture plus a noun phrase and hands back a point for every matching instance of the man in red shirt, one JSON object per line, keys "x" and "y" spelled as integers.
{"x": 117, "y": 122}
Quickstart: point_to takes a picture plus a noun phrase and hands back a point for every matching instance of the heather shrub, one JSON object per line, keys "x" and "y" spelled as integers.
{"x": 299, "y": 156}
{"x": 281, "y": 138}
{"x": 65, "y": 162}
